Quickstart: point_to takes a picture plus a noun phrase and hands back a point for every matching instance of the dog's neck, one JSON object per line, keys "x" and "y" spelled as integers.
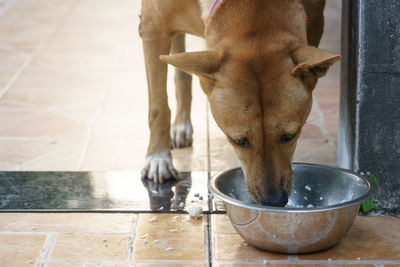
{"x": 268, "y": 22}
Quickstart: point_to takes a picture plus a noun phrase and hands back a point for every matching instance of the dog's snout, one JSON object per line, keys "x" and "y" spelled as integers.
{"x": 279, "y": 200}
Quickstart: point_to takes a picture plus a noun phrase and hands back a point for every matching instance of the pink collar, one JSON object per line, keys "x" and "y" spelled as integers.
{"x": 215, "y": 7}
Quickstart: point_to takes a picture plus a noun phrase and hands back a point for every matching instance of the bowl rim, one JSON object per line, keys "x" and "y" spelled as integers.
{"x": 217, "y": 193}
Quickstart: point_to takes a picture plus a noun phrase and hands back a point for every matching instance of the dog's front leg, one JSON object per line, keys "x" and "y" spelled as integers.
{"x": 181, "y": 130}
{"x": 158, "y": 165}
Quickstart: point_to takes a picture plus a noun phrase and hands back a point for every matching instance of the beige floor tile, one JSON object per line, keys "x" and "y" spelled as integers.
{"x": 129, "y": 162}
{"x": 107, "y": 152}
{"x": 5, "y": 77}
{"x": 90, "y": 43}
{"x": 315, "y": 151}
{"x": 20, "y": 250}
{"x": 91, "y": 247}
{"x": 40, "y": 8}
{"x": 66, "y": 222}
{"x": 36, "y": 123}
{"x": 170, "y": 264}
{"x": 192, "y": 158}
{"x": 127, "y": 92}
{"x": 66, "y": 158}
{"x": 231, "y": 247}
{"x": 331, "y": 122}
{"x": 222, "y": 155}
{"x": 370, "y": 238}
{"x": 85, "y": 264}
{"x": 60, "y": 80}
{"x": 18, "y": 151}
{"x": 179, "y": 238}
{"x": 74, "y": 62}
{"x": 53, "y": 99}
{"x": 29, "y": 138}
{"x": 115, "y": 136}
{"x": 222, "y": 225}
{"x": 311, "y": 131}
{"x": 8, "y": 166}
{"x": 11, "y": 59}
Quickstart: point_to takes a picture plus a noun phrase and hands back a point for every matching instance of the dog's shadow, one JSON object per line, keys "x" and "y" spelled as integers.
{"x": 170, "y": 195}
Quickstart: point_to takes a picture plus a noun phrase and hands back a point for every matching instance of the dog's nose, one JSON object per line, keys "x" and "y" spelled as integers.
{"x": 279, "y": 200}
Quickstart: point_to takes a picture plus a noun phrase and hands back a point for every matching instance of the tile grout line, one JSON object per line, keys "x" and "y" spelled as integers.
{"x": 48, "y": 249}
{"x": 21, "y": 165}
{"x": 213, "y": 241}
{"x": 7, "y": 5}
{"x": 99, "y": 112}
{"x": 91, "y": 125}
{"x": 30, "y": 58}
{"x": 207, "y": 252}
{"x": 135, "y": 238}
{"x": 134, "y": 230}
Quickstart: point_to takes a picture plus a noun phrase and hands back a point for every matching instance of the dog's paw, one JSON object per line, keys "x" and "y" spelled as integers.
{"x": 159, "y": 168}
{"x": 181, "y": 135}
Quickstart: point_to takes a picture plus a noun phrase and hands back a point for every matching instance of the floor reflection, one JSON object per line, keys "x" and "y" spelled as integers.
{"x": 170, "y": 195}
{"x": 100, "y": 191}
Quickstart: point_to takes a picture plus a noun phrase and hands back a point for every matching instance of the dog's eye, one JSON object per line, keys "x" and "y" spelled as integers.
{"x": 244, "y": 142}
{"x": 286, "y": 138}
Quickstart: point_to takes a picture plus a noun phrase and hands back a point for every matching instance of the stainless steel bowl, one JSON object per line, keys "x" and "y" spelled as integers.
{"x": 322, "y": 207}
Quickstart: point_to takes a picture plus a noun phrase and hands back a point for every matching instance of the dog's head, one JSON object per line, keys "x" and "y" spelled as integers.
{"x": 261, "y": 102}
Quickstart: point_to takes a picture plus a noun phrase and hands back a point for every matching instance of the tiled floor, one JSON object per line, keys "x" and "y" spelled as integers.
{"x": 73, "y": 98}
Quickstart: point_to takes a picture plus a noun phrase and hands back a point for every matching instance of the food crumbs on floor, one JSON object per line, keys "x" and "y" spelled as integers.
{"x": 145, "y": 241}
{"x": 104, "y": 239}
{"x": 152, "y": 219}
{"x": 195, "y": 211}
{"x": 173, "y": 230}
{"x": 34, "y": 228}
{"x": 308, "y": 187}
{"x": 31, "y": 261}
{"x": 245, "y": 244}
{"x": 168, "y": 249}
{"x": 156, "y": 241}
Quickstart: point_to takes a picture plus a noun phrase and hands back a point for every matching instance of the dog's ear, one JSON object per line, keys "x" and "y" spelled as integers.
{"x": 313, "y": 61}
{"x": 203, "y": 64}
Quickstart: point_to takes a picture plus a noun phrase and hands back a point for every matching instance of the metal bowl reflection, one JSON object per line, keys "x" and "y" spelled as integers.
{"x": 322, "y": 207}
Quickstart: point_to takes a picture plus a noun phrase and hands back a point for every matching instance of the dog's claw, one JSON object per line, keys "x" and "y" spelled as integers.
{"x": 159, "y": 167}
{"x": 181, "y": 135}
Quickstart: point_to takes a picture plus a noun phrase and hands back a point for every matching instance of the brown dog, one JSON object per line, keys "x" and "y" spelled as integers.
{"x": 258, "y": 74}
